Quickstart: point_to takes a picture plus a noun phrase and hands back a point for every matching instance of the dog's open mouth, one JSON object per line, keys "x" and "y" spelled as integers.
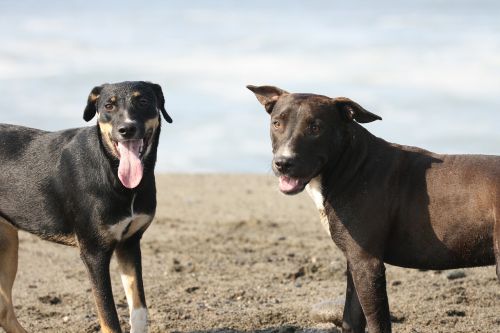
{"x": 131, "y": 153}
{"x": 143, "y": 148}
{"x": 291, "y": 185}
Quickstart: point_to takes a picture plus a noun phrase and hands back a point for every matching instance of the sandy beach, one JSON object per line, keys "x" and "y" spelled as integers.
{"x": 230, "y": 253}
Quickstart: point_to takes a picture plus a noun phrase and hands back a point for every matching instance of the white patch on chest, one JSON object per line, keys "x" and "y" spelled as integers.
{"x": 130, "y": 225}
{"x": 314, "y": 190}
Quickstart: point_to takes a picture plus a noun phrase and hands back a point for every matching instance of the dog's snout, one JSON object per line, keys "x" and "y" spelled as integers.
{"x": 283, "y": 164}
{"x": 127, "y": 130}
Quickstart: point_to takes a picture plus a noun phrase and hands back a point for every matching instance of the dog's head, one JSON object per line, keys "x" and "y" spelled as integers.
{"x": 307, "y": 132}
{"x": 128, "y": 116}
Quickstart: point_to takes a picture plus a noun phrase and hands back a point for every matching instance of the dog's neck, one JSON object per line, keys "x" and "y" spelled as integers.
{"x": 348, "y": 165}
{"x": 150, "y": 161}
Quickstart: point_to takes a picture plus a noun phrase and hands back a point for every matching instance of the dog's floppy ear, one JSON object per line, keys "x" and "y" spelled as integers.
{"x": 160, "y": 100}
{"x": 351, "y": 110}
{"x": 267, "y": 95}
{"x": 91, "y": 108}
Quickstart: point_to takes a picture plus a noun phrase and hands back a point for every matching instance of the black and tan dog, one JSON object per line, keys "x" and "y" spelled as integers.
{"x": 382, "y": 202}
{"x": 90, "y": 187}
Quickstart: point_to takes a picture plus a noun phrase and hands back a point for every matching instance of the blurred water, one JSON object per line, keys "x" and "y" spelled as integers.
{"x": 431, "y": 69}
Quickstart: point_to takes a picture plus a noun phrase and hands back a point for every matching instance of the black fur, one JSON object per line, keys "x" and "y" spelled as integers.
{"x": 63, "y": 186}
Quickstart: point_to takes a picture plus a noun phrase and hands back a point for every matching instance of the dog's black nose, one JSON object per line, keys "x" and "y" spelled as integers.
{"x": 283, "y": 164}
{"x": 127, "y": 130}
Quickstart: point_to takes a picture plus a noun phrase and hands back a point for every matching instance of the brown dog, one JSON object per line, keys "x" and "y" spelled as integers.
{"x": 382, "y": 202}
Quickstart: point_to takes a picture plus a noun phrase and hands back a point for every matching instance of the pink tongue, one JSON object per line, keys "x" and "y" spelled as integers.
{"x": 288, "y": 184}
{"x": 130, "y": 168}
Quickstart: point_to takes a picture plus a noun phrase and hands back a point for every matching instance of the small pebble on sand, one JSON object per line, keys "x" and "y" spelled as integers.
{"x": 456, "y": 274}
{"x": 330, "y": 311}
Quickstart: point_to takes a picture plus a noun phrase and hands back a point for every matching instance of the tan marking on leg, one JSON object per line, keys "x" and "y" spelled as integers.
{"x": 138, "y": 313}
{"x": 104, "y": 327}
{"x": 131, "y": 292}
{"x": 101, "y": 316}
{"x": 9, "y": 243}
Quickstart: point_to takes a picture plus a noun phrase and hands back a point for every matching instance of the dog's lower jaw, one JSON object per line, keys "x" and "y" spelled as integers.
{"x": 286, "y": 182}
{"x": 291, "y": 185}
{"x": 294, "y": 192}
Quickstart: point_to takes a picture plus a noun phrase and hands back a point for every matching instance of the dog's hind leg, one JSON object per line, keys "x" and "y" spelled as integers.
{"x": 128, "y": 255}
{"x": 496, "y": 238}
{"x": 9, "y": 243}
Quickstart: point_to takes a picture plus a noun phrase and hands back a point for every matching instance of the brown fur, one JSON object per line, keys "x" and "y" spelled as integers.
{"x": 385, "y": 203}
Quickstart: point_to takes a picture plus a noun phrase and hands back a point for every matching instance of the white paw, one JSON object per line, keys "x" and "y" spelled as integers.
{"x": 139, "y": 320}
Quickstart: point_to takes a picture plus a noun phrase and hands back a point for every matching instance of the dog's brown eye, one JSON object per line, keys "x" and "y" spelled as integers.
{"x": 315, "y": 129}
{"x": 109, "y": 106}
{"x": 276, "y": 124}
{"x": 143, "y": 102}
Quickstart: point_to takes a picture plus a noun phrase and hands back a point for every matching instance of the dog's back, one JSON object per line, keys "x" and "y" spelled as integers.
{"x": 15, "y": 141}
{"x": 38, "y": 169}
{"x": 448, "y": 202}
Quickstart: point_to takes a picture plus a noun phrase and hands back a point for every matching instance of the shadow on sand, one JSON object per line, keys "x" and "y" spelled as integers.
{"x": 280, "y": 329}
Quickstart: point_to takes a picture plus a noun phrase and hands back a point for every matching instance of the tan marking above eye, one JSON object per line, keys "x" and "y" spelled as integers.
{"x": 113, "y": 99}
{"x": 94, "y": 97}
{"x": 136, "y": 94}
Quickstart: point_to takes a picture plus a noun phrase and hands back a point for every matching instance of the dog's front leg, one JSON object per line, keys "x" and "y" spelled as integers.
{"x": 368, "y": 277}
{"x": 353, "y": 320}
{"x": 128, "y": 254}
{"x": 97, "y": 261}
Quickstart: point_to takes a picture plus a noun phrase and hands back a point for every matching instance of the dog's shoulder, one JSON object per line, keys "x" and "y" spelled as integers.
{"x": 75, "y": 139}
{"x": 15, "y": 140}
{"x": 20, "y": 143}
{"x": 10, "y": 132}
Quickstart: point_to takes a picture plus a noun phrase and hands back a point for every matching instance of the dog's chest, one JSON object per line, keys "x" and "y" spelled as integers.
{"x": 128, "y": 226}
{"x": 315, "y": 192}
